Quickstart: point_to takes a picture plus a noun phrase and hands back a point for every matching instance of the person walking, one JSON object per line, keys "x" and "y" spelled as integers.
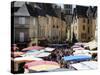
{"x": 15, "y": 48}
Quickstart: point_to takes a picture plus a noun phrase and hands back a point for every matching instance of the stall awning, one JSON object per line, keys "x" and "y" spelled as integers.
{"x": 87, "y": 65}
{"x": 79, "y": 48}
{"x": 49, "y": 49}
{"x": 92, "y": 45}
{"x": 33, "y": 48}
{"x": 42, "y": 65}
{"x": 26, "y": 59}
{"x": 76, "y": 58}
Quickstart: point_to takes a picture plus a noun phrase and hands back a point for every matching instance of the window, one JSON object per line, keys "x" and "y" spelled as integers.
{"x": 21, "y": 20}
{"x": 53, "y": 26}
{"x": 88, "y": 21}
{"x": 68, "y": 6}
{"x": 89, "y": 38}
{"x": 66, "y": 30}
{"x": 57, "y": 26}
{"x": 76, "y": 27}
{"x": 21, "y": 36}
{"x": 33, "y": 33}
{"x": 88, "y": 30}
{"x": 83, "y": 27}
{"x": 76, "y": 35}
{"x": 47, "y": 20}
{"x": 83, "y": 20}
{"x": 34, "y": 21}
{"x": 16, "y": 20}
{"x": 53, "y": 37}
{"x": 83, "y": 35}
{"x": 56, "y": 37}
{"x": 68, "y": 11}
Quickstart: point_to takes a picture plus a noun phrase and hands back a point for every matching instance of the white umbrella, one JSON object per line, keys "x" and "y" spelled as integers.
{"x": 91, "y": 52}
{"x": 25, "y": 59}
{"x": 32, "y": 53}
{"x": 79, "y": 48}
{"x": 41, "y": 65}
{"x": 91, "y": 64}
{"x": 79, "y": 66}
{"x": 91, "y": 44}
{"x": 43, "y": 54}
{"x": 81, "y": 51}
{"x": 49, "y": 49}
{"x": 86, "y": 65}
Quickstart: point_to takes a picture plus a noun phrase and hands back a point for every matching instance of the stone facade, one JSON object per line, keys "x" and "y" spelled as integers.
{"x": 83, "y": 27}
{"x": 68, "y": 17}
{"x": 32, "y": 22}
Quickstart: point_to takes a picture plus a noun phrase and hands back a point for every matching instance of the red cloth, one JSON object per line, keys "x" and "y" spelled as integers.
{"x": 40, "y": 62}
{"x": 33, "y": 48}
{"x": 15, "y": 54}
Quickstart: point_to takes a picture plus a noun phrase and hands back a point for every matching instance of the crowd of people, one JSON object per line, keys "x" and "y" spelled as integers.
{"x": 57, "y": 55}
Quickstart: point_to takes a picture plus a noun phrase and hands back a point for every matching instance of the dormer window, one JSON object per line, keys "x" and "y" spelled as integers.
{"x": 83, "y": 27}
{"x": 21, "y": 20}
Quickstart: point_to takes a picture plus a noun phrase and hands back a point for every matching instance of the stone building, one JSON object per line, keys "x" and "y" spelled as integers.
{"x": 68, "y": 17}
{"x": 38, "y": 21}
{"x": 84, "y": 23}
{"x": 22, "y": 20}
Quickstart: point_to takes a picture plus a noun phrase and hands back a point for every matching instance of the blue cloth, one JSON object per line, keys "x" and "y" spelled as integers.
{"x": 32, "y": 51}
{"x": 76, "y": 58}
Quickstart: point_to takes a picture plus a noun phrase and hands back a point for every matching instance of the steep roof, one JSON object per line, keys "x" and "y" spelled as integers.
{"x": 32, "y": 11}
{"x": 37, "y": 9}
{"x": 84, "y": 11}
{"x": 50, "y": 10}
{"x": 14, "y": 9}
{"x": 22, "y": 11}
{"x": 95, "y": 11}
{"x": 81, "y": 11}
{"x": 62, "y": 16}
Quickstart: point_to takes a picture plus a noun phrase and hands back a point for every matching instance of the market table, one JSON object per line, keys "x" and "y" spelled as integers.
{"x": 41, "y": 66}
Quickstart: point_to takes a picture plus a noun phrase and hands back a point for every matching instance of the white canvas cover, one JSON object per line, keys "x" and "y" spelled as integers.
{"x": 87, "y": 65}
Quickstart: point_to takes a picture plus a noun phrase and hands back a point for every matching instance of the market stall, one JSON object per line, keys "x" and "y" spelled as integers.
{"x": 41, "y": 66}
{"x": 33, "y": 48}
{"x": 87, "y": 65}
{"x": 18, "y": 60}
{"x": 49, "y": 49}
{"x": 76, "y": 58}
{"x": 92, "y": 45}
